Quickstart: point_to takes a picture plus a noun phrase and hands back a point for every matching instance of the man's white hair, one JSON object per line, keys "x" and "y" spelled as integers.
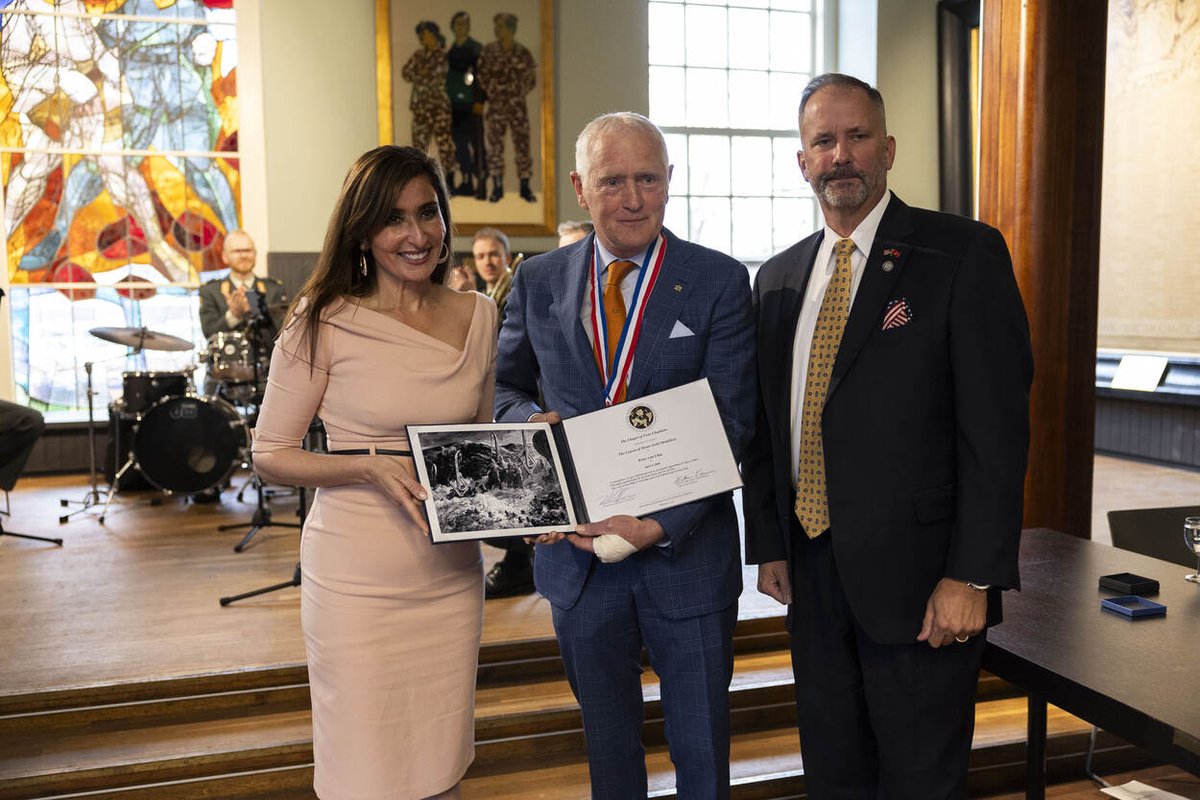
{"x": 612, "y": 124}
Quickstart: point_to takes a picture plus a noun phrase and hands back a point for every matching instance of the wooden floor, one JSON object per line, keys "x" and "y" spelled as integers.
{"x": 128, "y": 613}
{"x": 1120, "y": 484}
{"x": 138, "y": 597}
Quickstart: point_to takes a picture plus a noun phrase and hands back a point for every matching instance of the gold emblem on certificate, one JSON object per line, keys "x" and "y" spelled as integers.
{"x": 641, "y": 417}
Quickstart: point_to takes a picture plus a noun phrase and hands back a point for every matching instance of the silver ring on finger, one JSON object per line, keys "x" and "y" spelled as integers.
{"x": 961, "y": 639}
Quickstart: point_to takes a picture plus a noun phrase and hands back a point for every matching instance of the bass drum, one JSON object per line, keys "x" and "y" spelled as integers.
{"x": 140, "y": 390}
{"x": 189, "y": 444}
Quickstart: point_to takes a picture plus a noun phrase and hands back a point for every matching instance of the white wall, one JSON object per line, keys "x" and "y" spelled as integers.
{"x": 1149, "y": 295}
{"x": 600, "y": 66}
{"x": 318, "y": 100}
{"x": 908, "y": 80}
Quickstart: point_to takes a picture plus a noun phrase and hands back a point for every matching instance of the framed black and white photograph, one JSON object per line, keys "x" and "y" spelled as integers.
{"x": 487, "y": 480}
{"x": 492, "y": 480}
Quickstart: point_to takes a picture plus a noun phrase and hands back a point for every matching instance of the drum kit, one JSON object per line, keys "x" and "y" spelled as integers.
{"x": 181, "y": 440}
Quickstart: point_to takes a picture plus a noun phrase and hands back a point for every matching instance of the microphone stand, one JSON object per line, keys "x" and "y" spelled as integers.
{"x": 92, "y": 498}
{"x": 315, "y": 440}
{"x": 261, "y": 518}
{"x": 295, "y": 581}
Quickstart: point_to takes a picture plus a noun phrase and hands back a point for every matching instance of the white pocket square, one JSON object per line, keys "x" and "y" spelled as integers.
{"x": 680, "y": 330}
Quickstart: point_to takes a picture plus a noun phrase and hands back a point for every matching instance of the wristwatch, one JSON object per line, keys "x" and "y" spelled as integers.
{"x": 979, "y": 587}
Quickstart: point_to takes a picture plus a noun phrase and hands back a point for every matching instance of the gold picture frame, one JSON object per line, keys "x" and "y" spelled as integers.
{"x": 400, "y": 43}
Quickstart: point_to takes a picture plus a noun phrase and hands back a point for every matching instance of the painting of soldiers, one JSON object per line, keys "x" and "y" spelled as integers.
{"x": 426, "y": 70}
{"x": 466, "y": 108}
{"x": 507, "y": 72}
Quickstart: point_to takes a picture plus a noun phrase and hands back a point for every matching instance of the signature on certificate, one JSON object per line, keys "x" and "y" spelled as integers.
{"x": 688, "y": 478}
{"x": 617, "y": 495}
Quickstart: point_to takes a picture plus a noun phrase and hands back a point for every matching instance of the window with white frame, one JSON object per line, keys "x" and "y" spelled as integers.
{"x": 725, "y": 82}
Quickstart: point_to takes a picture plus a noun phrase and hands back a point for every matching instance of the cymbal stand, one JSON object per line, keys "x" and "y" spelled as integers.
{"x": 93, "y": 495}
{"x": 295, "y": 581}
{"x": 116, "y": 481}
{"x": 262, "y": 513}
{"x": 258, "y": 320}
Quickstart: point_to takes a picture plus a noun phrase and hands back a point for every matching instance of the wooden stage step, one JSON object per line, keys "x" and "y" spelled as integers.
{"x": 121, "y": 678}
{"x": 240, "y": 743}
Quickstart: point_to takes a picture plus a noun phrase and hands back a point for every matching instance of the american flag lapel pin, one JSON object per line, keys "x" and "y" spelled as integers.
{"x": 897, "y": 314}
{"x": 889, "y": 253}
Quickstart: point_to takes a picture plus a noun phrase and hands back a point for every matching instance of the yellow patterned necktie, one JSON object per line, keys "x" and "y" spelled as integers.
{"x": 614, "y": 314}
{"x": 812, "y": 500}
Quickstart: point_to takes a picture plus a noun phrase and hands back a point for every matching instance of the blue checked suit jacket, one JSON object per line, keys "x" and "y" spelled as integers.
{"x": 543, "y": 346}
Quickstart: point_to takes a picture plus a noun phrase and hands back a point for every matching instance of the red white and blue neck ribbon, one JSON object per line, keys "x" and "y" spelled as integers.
{"x": 627, "y": 343}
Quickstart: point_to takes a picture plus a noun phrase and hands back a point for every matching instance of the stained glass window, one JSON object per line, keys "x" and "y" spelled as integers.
{"x": 119, "y": 168}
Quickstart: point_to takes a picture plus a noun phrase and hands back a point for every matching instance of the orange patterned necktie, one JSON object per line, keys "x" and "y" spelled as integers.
{"x": 614, "y": 314}
{"x": 812, "y": 500}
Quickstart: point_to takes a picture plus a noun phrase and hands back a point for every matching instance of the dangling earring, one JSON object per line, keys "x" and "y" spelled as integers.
{"x": 362, "y": 262}
{"x": 445, "y": 254}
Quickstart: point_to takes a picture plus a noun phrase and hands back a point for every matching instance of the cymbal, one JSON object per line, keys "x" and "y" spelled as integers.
{"x": 141, "y": 338}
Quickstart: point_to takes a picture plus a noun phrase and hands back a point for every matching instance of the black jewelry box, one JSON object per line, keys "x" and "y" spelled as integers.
{"x": 1128, "y": 583}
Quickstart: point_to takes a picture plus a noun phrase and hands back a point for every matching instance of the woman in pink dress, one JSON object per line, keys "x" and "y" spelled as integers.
{"x": 391, "y": 622}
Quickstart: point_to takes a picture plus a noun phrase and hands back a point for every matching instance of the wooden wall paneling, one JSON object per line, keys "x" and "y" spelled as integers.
{"x": 1041, "y": 136}
{"x": 1188, "y": 450}
{"x": 1176, "y": 434}
{"x": 1154, "y": 431}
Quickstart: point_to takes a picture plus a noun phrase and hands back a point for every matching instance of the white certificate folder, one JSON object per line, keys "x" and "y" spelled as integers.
{"x": 520, "y": 479}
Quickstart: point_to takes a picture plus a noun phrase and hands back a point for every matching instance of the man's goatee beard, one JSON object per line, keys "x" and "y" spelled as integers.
{"x": 845, "y": 199}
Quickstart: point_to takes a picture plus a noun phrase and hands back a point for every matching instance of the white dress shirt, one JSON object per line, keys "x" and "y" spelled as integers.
{"x": 822, "y": 271}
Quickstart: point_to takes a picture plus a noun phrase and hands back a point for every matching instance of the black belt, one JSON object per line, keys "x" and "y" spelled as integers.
{"x": 366, "y": 452}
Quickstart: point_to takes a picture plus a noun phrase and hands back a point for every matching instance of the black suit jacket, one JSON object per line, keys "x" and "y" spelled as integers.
{"x": 926, "y": 425}
{"x": 213, "y": 304}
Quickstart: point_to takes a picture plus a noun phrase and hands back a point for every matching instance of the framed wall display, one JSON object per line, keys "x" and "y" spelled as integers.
{"x": 473, "y": 83}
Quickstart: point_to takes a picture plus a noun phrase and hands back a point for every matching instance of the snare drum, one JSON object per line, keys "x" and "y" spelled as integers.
{"x": 230, "y": 356}
{"x": 189, "y": 444}
{"x": 140, "y": 390}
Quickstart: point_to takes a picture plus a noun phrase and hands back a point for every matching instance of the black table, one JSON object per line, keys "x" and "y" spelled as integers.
{"x": 1156, "y": 532}
{"x": 1135, "y": 678}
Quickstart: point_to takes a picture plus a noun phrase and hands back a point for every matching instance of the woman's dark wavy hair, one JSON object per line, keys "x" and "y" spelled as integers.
{"x": 367, "y": 198}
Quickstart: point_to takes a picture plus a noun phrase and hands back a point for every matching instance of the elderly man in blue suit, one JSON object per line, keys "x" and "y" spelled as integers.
{"x": 628, "y": 311}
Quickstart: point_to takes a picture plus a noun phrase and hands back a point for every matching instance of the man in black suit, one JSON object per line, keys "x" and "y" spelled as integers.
{"x": 883, "y": 488}
{"x": 241, "y": 301}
